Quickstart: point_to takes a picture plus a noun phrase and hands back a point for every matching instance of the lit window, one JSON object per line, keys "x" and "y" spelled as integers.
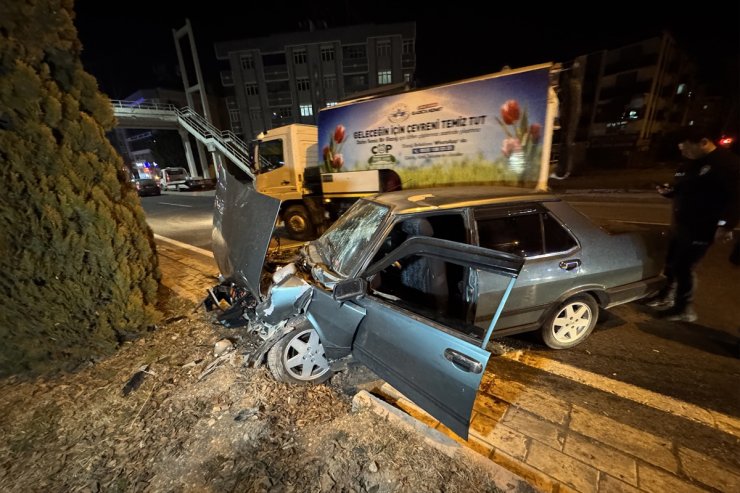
{"x": 306, "y": 110}
{"x": 331, "y": 103}
{"x": 681, "y": 89}
{"x": 706, "y": 106}
{"x": 384, "y": 77}
{"x": 299, "y": 57}
{"x": 407, "y": 77}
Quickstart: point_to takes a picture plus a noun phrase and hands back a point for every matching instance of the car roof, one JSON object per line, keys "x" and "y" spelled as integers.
{"x": 426, "y": 199}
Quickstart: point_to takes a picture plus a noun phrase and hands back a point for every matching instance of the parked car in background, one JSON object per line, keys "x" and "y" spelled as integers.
{"x": 179, "y": 179}
{"x": 147, "y": 186}
{"x": 414, "y": 283}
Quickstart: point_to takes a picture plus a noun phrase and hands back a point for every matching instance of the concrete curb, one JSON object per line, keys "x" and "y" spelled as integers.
{"x": 502, "y": 478}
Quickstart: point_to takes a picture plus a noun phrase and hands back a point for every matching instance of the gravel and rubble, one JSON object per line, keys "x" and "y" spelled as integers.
{"x": 194, "y": 420}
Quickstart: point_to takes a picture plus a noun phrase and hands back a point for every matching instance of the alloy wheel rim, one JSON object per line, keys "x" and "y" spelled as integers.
{"x": 571, "y": 323}
{"x": 304, "y": 357}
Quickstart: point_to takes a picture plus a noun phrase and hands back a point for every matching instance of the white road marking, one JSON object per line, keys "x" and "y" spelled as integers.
{"x": 723, "y": 422}
{"x": 176, "y": 205}
{"x": 183, "y": 245}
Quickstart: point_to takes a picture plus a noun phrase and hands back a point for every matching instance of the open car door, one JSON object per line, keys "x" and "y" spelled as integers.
{"x": 437, "y": 367}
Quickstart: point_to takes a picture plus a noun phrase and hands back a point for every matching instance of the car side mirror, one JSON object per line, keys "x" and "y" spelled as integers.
{"x": 351, "y": 288}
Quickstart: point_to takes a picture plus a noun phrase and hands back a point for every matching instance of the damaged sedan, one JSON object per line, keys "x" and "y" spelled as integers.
{"x": 413, "y": 284}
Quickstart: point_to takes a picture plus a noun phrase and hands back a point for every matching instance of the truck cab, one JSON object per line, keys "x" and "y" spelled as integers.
{"x": 287, "y": 167}
{"x": 281, "y": 158}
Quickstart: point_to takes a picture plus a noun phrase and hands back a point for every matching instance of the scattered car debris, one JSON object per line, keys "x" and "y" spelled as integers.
{"x": 215, "y": 364}
{"x": 246, "y": 414}
{"x": 222, "y": 346}
{"x": 136, "y": 380}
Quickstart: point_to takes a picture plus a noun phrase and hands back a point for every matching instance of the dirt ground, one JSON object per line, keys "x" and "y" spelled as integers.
{"x": 197, "y": 422}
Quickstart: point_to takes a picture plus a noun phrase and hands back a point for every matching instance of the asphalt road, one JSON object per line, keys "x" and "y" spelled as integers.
{"x": 183, "y": 216}
{"x": 694, "y": 362}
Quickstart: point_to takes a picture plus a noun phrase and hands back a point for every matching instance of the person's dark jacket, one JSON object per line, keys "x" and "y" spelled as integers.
{"x": 705, "y": 193}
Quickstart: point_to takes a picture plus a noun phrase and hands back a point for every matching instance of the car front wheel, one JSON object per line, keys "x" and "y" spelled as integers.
{"x": 298, "y": 357}
{"x": 571, "y": 323}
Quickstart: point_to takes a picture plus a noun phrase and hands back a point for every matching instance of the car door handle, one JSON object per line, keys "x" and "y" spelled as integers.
{"x": 464, "y": 363}
{"x": 569, "y": 264}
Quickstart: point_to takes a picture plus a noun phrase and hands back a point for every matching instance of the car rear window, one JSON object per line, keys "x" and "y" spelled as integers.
{"x": 528, "y": 234}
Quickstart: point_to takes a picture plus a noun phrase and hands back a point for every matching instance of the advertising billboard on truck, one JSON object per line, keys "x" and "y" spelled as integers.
{"x": 494, "y": 129}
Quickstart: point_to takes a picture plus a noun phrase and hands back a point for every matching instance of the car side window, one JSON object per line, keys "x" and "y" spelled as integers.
{"x": 425, "y": 285}
{"x": 557, "y": 239}
{"x": 520, "y": 234}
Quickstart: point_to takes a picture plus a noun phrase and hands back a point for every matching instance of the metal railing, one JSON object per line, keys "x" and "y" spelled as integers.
{"x": 225, "y": 141}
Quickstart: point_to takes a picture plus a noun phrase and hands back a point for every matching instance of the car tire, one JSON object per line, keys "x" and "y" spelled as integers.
{"x": 298, "y": 222}
{"x": 298, "y": 357}
{"x": 571, "y": 322}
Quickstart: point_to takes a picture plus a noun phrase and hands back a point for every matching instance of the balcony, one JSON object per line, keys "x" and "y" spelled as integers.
{"x": 227, "y": 80}
{"x": 281, "y": 98}
{"x": 354, "y": 65}
{"x": 276, "y": 72}
{"x": 640, "y": 87}
{"x": 631, "y": 64}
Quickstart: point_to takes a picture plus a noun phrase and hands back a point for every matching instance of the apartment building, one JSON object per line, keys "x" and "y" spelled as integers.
{"x": 635, "y": 93}
{"x": 286, "y": 78}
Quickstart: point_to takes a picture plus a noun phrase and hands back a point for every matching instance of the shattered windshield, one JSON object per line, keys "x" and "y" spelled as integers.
{"x": 350, "y": 235}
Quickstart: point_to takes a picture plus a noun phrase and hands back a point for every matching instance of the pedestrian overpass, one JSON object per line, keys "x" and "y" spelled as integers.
{"x": 135, "y": 114}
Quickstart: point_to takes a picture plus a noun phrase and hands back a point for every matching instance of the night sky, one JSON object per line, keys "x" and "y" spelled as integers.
{"x": 133, "y": 47}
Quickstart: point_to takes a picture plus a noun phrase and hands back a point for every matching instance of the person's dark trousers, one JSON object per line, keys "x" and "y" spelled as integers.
{"x": 684, "y": 252}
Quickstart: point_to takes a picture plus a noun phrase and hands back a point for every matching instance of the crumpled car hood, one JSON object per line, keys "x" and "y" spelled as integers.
{"x": 243, "y": 222}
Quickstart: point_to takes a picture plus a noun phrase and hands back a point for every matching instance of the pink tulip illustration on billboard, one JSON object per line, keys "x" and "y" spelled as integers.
{"x": 519, "y": 146}
{"x": 333, "y": 159}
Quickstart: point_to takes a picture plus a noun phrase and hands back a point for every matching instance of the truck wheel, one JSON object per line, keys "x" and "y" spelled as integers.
{"x": 298, "y": 357}
{"x": 298, "y": 222}
{"x": 571, "y": 322}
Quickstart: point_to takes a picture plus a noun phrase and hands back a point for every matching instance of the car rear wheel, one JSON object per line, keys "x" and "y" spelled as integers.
{"x": 571, "y": 323}
{"x": 298, "y": 222}
{"x": 299, "y": 358}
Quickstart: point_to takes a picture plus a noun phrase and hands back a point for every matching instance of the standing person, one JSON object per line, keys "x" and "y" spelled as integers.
{"x": 705, "y": 209}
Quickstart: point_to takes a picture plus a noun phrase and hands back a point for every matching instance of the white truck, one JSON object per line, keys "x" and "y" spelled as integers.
{"x": 178, "y": 178}
{"x": 495, "y": 129}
